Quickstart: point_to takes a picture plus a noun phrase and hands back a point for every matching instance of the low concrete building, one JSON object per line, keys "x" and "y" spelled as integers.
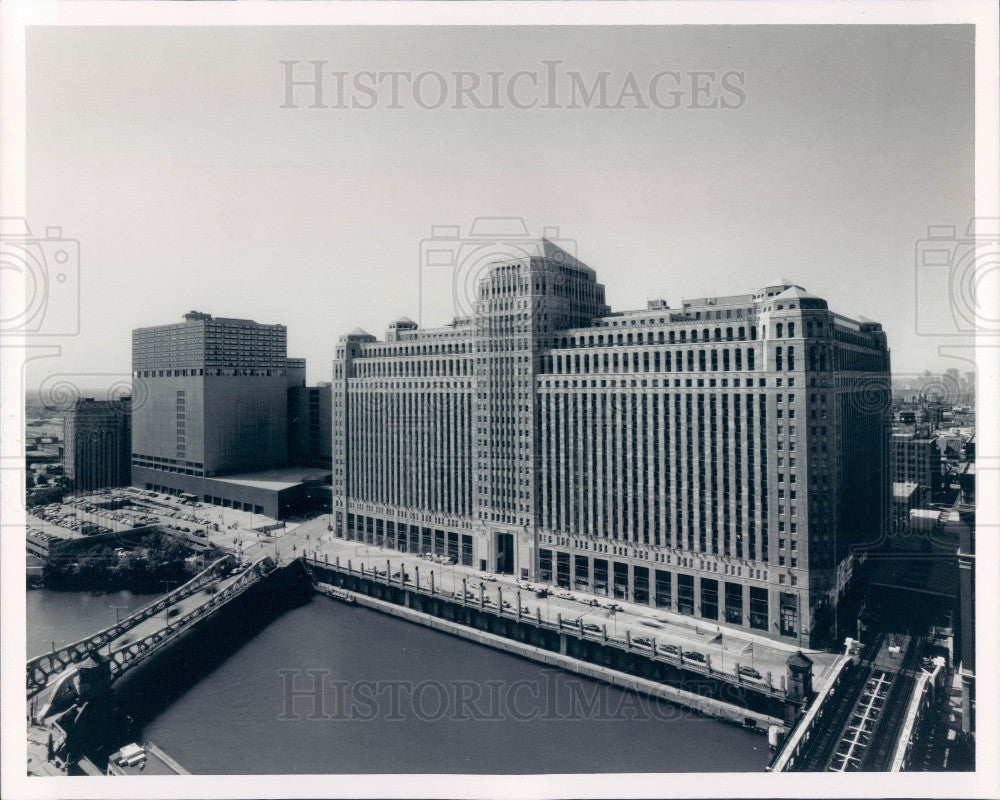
{"x": 275, "y": 493}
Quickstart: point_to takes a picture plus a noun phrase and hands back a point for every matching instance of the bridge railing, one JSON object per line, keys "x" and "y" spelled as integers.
{"x": 575, "y": 628}
{"x": 134, "y": 653}
{"x": 40, "y": 668}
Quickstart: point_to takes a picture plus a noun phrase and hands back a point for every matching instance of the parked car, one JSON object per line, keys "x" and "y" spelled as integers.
{"x": 590, "y": 626}
{"x": 564, "y": 595}
{"x": 694, "y": 655}
{"x": 642, "y": 641}
{"x": 750, "y": 672}
{"x": 525, "y": 610}
{"x": 673, "y": 649}
{"x": 542, "y": 593}
{"x": 489, "y": 576}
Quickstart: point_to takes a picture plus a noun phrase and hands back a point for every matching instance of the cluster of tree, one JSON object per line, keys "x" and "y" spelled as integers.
{"x": 145, "y": 566}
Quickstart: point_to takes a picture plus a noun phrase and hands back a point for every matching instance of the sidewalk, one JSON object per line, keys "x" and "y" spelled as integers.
{"x": 726, "y": 647}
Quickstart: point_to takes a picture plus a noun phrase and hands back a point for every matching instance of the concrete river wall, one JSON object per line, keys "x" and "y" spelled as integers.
{"x": 659, "y": 675}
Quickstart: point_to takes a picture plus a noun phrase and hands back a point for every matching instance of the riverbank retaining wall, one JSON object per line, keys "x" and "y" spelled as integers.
{"x": 606, "y": 662}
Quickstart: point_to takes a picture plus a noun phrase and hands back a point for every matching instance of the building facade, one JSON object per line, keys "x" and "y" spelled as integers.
{"x": 721, "y": 460}
{"x": 917, "y": 459}
{"x": 309, "y": 432}
{"x": 97, "y": 436}
{"x": 213, "y": 422}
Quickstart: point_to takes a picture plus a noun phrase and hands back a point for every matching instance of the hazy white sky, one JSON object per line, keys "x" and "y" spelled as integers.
{"x": 166, "y": 153}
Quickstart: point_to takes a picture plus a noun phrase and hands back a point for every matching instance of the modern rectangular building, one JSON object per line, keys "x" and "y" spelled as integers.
{"x": 721, "y": 460}
{"x": 97, "y": 436}
{"x": 211, "y": 411}
{"x": 309, "y": 432}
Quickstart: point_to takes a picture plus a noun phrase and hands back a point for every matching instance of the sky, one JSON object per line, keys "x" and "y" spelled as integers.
{"x": 167, "y": 154}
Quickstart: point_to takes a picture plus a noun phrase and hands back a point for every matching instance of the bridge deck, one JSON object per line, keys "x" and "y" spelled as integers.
{"x": 144, "y": 637}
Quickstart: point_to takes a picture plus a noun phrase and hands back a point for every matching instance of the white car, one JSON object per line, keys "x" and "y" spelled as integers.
{"x": 489, "y": 576}
{"x": 564, "y": 595}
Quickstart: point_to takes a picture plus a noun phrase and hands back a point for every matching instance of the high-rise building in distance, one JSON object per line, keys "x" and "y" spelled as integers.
{"x": 97, "y": 436}
{"x": 917, "y": 459}
{"x": 720, "y": 460}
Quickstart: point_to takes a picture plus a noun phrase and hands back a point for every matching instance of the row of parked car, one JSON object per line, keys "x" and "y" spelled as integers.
{"x": 437, "y": 559}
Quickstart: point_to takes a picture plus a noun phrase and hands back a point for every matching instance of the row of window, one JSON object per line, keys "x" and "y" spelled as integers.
{"x": 687, "y": 594}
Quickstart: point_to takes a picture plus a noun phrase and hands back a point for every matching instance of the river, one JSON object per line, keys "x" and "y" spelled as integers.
{"x": 330, "y": 688}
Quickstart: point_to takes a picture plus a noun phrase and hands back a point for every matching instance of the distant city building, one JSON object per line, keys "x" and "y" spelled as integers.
{"x": 719, "y": 460}
{"x": 214, "y": 422}
{"x": 905, "y": 498}
{"x": 97, "y": 437}
{"x": 310, "y": 437}
{"x": 965, "y": 524}
{"x": 917, "y": 459}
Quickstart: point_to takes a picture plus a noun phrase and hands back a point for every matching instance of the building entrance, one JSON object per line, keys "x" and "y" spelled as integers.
{"x": 505, "y": 553}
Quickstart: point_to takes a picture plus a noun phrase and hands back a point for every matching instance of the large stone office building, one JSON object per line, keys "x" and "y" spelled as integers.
{"x": 720, "y": 460}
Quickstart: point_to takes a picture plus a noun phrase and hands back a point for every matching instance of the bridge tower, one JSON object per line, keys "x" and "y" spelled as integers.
{"x": 95, "y": 678}
{"x": 799, "y": 686}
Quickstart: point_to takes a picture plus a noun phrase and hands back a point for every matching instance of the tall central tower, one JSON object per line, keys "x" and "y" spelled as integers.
{"x": 521, "y": 305}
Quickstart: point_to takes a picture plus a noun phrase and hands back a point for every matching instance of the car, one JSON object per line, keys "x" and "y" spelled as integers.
{"x": 489, "y": 576}
{"x": 615, "y": 607}
{"x": 173, "y": 612}
{"x": 750, "y": 672}
{"x": 642, "y": 641}
{"x": 525, "y": 610}
{"x": 395, "y": 576}
{"x": 590, "y": 626}
{"x": 542, "y": 593}
{"x": 564, "y": 595}
{"x": 525, "y": 585}
{"x": 694, "y": 655}
{"x": 592, "y": 602}
{"x": 506, "y": 604}
{"x": 673, "y": 649}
